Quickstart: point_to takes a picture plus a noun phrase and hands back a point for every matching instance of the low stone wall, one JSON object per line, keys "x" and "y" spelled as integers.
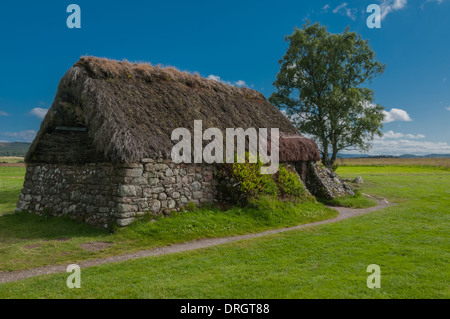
{"x": 321, "y": 181}
{"x": 83, "y": 192}
{"x": 159, "y": 187}
{"x": 102, "y": 193}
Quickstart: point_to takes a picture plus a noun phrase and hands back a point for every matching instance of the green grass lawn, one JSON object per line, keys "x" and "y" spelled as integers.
{"x": 409, "y": 241}
{"x": 356, "y": 201}
{"x": 11, "y": 182}
{"x": 28, "y": 241}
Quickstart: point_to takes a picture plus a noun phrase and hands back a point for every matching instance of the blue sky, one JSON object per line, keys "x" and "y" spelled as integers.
{"x": 239, "y": 42}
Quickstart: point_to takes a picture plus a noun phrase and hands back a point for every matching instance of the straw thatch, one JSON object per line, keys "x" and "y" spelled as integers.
{"x": 130, "y": 110}
{"x": 294, "y": 147}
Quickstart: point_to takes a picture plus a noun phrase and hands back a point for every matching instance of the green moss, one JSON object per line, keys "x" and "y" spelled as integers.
{"x": 289, "y": 184}
{"x": 251, "y": 183}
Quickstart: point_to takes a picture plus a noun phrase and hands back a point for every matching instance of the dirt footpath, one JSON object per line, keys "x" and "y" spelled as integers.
{"x": 344, "y": 213}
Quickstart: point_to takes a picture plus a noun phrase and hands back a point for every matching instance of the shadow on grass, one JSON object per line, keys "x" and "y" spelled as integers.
{"x": 26, "y": 226}
{"x": 356, "y": 201}
{"x": 8, "y": 197}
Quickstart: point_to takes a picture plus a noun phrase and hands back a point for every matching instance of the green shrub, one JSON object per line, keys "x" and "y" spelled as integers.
{"x": 250, "y": 183}
{"x": 289, "y": 183}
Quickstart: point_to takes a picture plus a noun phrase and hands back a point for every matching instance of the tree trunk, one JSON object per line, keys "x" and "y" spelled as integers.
{"x": 333, "y": 157}
{"x": 326, "y": 159}
{"x": 325, "y": 156}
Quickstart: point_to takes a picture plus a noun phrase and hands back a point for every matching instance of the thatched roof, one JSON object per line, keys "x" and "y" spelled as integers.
{"x": 130, "y": 110}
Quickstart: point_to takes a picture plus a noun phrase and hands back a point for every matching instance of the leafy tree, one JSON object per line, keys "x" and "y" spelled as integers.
{"x": 320, "y": 87}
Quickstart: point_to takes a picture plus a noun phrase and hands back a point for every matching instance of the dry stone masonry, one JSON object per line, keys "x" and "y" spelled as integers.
{"x": 102, "y": 194}
{"x": 322, "y": 182}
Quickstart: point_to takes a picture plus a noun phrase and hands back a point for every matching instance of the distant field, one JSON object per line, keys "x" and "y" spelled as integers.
{"x": 440, "y": 162}
{"x": 11, "y": 159}
{"x": 409, "y": 241}
{"x": 11, "y": 182}
{"x": 13, "y": 149}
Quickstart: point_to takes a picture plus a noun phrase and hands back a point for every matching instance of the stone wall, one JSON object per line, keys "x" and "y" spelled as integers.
{"x": 159, "y": 187}
{"x": 321, "y": 181}
{"x": 83, "y": 192}
{"x": 102, "y": 194}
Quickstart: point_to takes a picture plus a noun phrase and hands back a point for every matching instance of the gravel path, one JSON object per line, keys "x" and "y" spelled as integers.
{"x": 344, "y": 213}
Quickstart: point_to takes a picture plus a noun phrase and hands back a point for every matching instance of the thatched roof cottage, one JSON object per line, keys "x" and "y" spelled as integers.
{"x": 103, "y": 151}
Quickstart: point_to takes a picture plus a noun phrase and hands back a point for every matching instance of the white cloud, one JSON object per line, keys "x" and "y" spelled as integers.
{"x": 239, "y": 83}
{"x": 344, "y": 10}
{"x": 215, "y": 78}
{"x": 404, "y": 146}
{"x": 392, "y": 134}
{"x": 448, "y": 108}
{"x": 325, "y": 8}
{"x": 39, "y": 112}
{"x": 388, "y": 6}
{"x": 22, "y": 136}
{"x": 395, "y": 143}
{"x": 414, "y": 136}
{"x": 339, "y": 7}
{"x": 368, "y": 105}
{"x": 2, "y": 113}
{"x": 428, "y": 1}
{"x": 392, "y": 143}
{"x": 396, "y": 115}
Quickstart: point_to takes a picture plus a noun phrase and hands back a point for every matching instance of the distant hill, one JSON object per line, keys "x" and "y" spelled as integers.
{"x": 14, "y": 149}
{"x": 391, "y": 156}
{"x": 364, "y": 156}
{"x": 408, "y": 156}
{"x": 20, "y": 149}
{"x": 425, "y": 156}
